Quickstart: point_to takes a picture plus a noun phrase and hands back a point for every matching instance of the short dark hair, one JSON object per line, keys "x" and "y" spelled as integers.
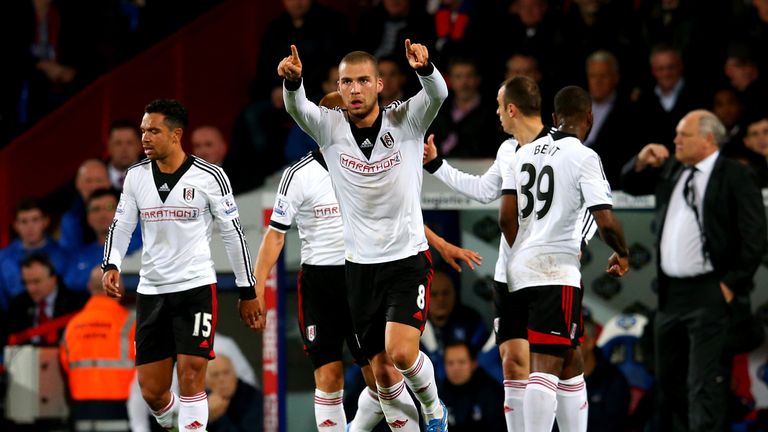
{"x": 39, "y": 258}
{"x": 356, "y": 57}
{"x": 175, "y": 114}
{"x": 572, "y": 102}
{"x": 460, "y": 343}
{"x": 124, "y": 124}
{"x": 98, "y": 193}
{"x": 524, "y": 93}
{"x": 27, "y": 204}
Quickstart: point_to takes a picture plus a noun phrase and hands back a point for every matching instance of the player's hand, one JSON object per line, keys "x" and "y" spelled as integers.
{"x": 617, "y": 266}
{"x": 653, "y": 155}
{"x": 417, "y": 54}
{"x": 250, "y": 313}
{"x": 452, "y": 253}
{"x": 290, "y": 67}
{"x": 111, "y": 282}
{"x": 430, "y": 150}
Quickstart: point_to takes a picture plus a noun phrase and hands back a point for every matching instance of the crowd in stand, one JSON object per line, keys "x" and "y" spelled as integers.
{"x": 645, "y": 64}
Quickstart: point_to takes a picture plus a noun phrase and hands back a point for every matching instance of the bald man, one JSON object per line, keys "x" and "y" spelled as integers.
{"x": 711, "y": 240}
{"x": 91, "y": 175}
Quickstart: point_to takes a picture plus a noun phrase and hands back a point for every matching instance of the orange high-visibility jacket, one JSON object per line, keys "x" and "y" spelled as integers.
{"x": 98, "y": 352}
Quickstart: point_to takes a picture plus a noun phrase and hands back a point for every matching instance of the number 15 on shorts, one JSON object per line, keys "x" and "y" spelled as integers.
{"x": 202, "y": 319}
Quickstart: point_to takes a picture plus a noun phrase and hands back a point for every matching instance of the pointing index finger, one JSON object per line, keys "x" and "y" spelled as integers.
{"x": 294, "y": 53}
{"x": 408, "y": 45}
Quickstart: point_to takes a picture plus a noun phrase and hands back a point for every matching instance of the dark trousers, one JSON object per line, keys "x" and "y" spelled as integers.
{"x": 691, "y": 329}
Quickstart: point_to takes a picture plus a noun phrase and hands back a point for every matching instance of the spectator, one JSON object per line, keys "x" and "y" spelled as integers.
{"x": 383, "y": 29}
{"x": 393, "y": 81}
{"x": 97, "y": 355}
{"x": 44, "y": 299}
{"x": 227, "y": 346}
{"x": 30, "y": 225}
{"x": 472, "y": 397}
{"x": 756, "y": 136}
{"x": 100, "y": 212}
{"x": 527, "y": 65}
{"x": 208, "y": 144}
{"x": 669, "y": 100}
{"x": 607, "y": 388}
{"x": 319, "y": 32}
{"x": 592, "y": 25}
{"x": 450, "y": 321}
{"x": 91, "y": 175}
{"x": 754, "y": 151}
{"x": 727, "y": 106}
{"x": 124, "y": 149}
{"x": 743, "y": 73}
{"x": 466, "y": 124}
{"x": 708, "y": 254}
{"x": 233, "y": 405}
{"x": 530, "y": 26}
{"x": 610, "y": 115}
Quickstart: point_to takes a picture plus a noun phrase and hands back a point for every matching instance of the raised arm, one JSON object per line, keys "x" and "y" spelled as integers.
{"x": 483, "y": 188}
{"x": 306, "y": 114}
{"x": 426, "y": 103}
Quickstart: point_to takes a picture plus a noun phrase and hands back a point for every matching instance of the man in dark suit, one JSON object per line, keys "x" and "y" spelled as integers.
{"x": 712, "y": 234}
{"x": 671, "y": 97}
{"x": 610, "y": 115}
{"x": 43, "y": 299}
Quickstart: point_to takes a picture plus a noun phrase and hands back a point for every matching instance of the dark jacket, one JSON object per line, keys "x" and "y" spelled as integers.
{"x": 733, "y": 218}
{"x": 244, "y": 413}
{"x": 21, "y": 313}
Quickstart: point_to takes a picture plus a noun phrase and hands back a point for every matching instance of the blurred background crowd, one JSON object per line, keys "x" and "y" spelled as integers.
{"x": 645, "y": 63}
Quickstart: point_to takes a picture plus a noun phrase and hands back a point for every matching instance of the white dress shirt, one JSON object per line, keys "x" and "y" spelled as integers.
{"x": 681, "y": 241}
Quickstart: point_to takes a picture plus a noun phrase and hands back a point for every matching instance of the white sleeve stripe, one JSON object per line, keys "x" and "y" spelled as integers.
{"x": 283, "y": 189}
{"x": 586, "y": 228}
{"x": 220, "y": 179}
{"x": 246, "y": 253}
{"x": 137, "y": 164}
{"x": 108, "y": 243}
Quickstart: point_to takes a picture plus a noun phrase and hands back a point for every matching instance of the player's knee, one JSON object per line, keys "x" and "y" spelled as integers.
{"x": 153, "y": 396}
{"x": 329, "y": 378}
{"x": 515, "y": 366}
{"x": 402, "y": 356}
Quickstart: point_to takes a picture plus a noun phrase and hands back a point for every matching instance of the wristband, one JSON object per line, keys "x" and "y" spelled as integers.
{"x": 247, "y": 293}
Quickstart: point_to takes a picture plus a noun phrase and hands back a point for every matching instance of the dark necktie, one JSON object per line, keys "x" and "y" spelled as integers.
{"x": 689, "y": 193}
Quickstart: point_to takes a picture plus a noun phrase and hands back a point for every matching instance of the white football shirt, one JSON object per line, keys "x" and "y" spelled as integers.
{"x": 554, "y": 177}
{"x": 306, "y": 195}
{"x": 487, "y": 187}
{"x": 176, "y": 232}
{"x": 380, "y": 197}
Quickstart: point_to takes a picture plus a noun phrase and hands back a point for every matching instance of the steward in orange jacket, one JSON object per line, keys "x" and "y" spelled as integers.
{"x": 97, "y": 353}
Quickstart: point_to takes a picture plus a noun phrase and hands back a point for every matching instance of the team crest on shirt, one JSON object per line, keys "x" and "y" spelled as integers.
{"x": 189, "y": 194}
{"x": 120, "y": 207}
{"x": 387, "y": 140}
{"x": 311, "y": 333}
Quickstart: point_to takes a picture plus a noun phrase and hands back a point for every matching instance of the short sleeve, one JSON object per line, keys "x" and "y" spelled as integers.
{"x": 287, "y": 201}
{"x": 595, "y": 188}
